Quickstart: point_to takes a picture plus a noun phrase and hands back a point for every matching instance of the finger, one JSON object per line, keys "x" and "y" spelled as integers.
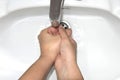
{"x": 49, "y": 31}
{"x": 52, "y": 30}
{"x": 63, "y": 32}
{"x": 73, "y": 42}
{"x": 69, "y": 32}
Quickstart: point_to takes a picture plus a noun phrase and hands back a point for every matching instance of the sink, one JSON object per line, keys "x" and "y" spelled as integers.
{"x": 96, "y": 29}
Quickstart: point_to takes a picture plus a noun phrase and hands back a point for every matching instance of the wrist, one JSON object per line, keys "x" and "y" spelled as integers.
{"x": 70, "y": 64}
{"x": 49, "y": 54}
{"x": 70, "y": 61}
{"x": 47, "y": 59}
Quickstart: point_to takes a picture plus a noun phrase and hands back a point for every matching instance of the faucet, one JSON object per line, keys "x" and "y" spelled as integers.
{"x": 55, "y": 13}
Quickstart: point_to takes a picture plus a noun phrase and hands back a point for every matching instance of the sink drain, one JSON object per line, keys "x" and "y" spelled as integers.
{"x": 64, "y": 24}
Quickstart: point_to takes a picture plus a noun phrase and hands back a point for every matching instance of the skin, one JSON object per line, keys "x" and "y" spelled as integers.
{"x": 65, "y": 63}
{"x": 57, "y": 49}
{"x": 49, "y": 44}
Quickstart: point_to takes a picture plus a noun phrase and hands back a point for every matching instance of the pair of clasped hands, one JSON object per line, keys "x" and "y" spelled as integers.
{"x": 58, "y": 49}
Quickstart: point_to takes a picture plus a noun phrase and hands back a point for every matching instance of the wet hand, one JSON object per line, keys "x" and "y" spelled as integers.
{"x": 49, "y": 41}
{"x": 66, "y": 59}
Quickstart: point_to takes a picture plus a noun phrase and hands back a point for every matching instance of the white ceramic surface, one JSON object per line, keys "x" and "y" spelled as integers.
{"x": 95, "y": 25}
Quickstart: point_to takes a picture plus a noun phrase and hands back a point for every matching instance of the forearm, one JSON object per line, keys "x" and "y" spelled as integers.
{"x": 69, "y": 71}
{"x": 73, "y": 72}
{"x": 39, "y": 70}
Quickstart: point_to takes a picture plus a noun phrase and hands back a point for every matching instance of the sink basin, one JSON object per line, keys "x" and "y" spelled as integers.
{"x": 96, "y": 29}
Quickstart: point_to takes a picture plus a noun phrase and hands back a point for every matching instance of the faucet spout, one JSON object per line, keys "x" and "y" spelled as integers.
{"x": 55, "y": 13}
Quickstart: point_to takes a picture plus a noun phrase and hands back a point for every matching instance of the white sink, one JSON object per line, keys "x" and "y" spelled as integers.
{"x": 95, "y": 25}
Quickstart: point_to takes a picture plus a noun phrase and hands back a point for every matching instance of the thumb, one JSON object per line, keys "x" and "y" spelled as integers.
{"x": 62, "y": 32}
{"x": 69, "y": 32}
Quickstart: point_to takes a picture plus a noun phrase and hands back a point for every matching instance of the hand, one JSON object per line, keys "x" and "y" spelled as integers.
{"x": 68, "y": 45}
{"x": 65, "y": 64}
{"x": 49, "y": 43}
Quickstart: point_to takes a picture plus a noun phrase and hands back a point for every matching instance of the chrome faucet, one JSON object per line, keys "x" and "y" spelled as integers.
{"x": 55, "y": 12}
